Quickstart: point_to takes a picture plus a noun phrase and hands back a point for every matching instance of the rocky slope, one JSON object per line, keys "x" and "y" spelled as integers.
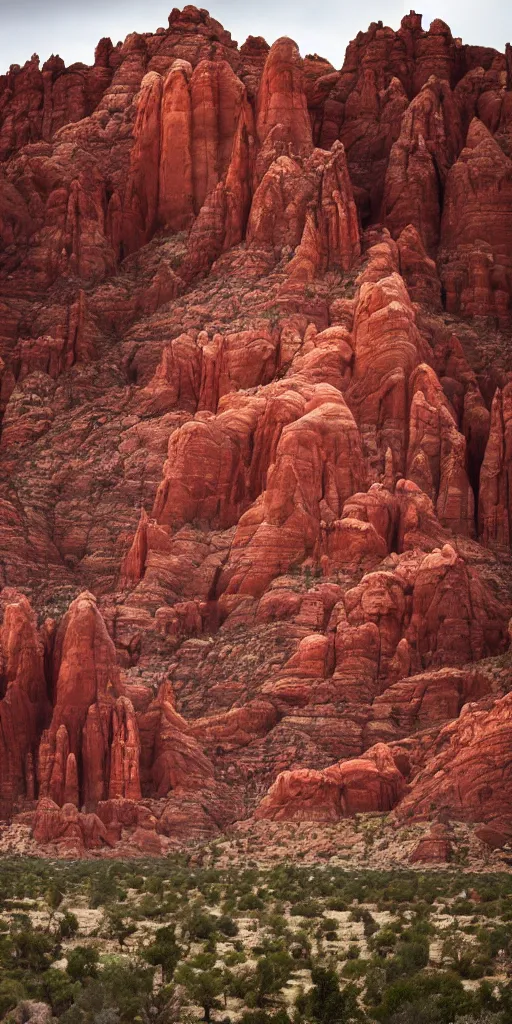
{"x": 256, "y": 441}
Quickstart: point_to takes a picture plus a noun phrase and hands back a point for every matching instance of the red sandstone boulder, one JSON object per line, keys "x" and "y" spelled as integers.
{"x": 496, "y": 835}
{"x": 369, "y": 783}
{"x": 72, "y": 833}
{"x": 434, "y": 848}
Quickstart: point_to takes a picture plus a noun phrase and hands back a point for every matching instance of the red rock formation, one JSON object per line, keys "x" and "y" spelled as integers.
{"x": 330, "y": 236}
{"x": 495, "y": 500}
{"x": 436, "y": 456}
{"x": 175, "y": 190}
{"x": 86, "y": 678}
{"x": 372, "y": 783}
{"x": 476, "y": 229}
{"x": 255, "y": 398}
{"x": 386, "y": 351}
{"x": 173, "y": 757}
{"x": 124, "y": 753}
{"x": 70, "y": 832}
{"x": 318, "y": 463}
{"x": 468, "y": 776}
{"x": 434, "y": 848}
{"x": 142, "y": 191}
{"x": 281, "y": 99}
{"x": 23, "y": 703}
{"x": 430, "y": 139}
{"x": 454, "y": 617}
{"x": 418, "y": 270}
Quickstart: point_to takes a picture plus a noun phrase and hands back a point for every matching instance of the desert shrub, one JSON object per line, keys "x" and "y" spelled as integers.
{"x": 436, "y": 998}
{"x": 68, "y": 925}
{"x": 354, "y": 969}
{"x": 353, "y": 952}
{"x": 121, "y": 994}
{"x": 307, "y": 908}
{"x": 164, "y": 951}
{"x": 326, "y": 1002}
{"x": 227, "y": 926}
{"x": 103, "y": 889}
{"x": 83, "y": 963}
{"x": 58, "y": 990}
{"x": 336, "y": 903}
{"x": 31, "y": 950}
{"x": 11, "y": 993}
{"x": 250, "y": 901}
{"x": 198, "y": 924}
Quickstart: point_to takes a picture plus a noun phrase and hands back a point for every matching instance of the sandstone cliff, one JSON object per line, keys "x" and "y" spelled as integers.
{"x": 256, "y": 435}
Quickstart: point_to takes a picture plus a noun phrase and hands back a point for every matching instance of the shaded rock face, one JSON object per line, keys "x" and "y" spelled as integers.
{"x": 256, "y": 436}
{"x": 455, "y": 779}
{"x": 24, "y": 705}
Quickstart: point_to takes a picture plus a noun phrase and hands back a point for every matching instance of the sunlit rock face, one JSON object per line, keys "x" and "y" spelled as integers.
{"x": 256, "y": 437}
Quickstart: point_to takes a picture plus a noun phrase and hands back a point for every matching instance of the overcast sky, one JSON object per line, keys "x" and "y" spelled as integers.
{"x": 72, "y": 28}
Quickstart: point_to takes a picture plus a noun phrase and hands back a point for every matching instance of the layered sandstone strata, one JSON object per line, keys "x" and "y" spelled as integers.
{"x": 255, "y": 449}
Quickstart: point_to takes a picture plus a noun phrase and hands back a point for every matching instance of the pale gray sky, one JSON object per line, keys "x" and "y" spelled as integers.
{"x": 73, "y": 27}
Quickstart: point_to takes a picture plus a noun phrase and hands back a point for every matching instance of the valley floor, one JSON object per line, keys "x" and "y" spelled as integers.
{"x": 197, "y": 936}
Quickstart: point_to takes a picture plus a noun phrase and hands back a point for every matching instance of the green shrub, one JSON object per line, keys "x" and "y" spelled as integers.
{"x": 354, "y": 969}
{"x": 83, "y": 963}
{"x": 307, "y": 908}
{"x": 227, "y": 926}
{"x": 11, "y": 993}
{"x": 164, "y": 951}
{"x": 68, "y": 925}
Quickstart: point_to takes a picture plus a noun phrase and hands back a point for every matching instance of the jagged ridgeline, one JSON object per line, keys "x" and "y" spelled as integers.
{"x": 256, "y": 440}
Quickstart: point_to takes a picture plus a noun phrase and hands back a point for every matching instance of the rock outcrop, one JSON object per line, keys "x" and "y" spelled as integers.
{"x": 477, "y": 229}
{"x": 495, "y": 499}
{"x": 255, "y": 437}
{"x": 24, "y": 701}
{"x": 370, "y": 783}
{"x": 468, "y": 776}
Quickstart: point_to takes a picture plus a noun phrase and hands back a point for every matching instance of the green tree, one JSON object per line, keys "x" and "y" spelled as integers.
{"x": 54, "y": 898}
{"x": 58, "y": 989}
{"x": 325, "y": 1002}
{"x": 383, "y": 941}
{"x": 119, "y": 995}
{"x": 437, "y": 998}
{"x": 155, "y": 885}
{"x": 227, "y": 926}
{"x": 118, "y": 928}
{"x": 68, "y": 925}
{"x": 203, "y": 988}
{"x": 83, "y": 963}
{"x": 198, "y": 925}
{"x": 11, "y": 993}
{"x": 272, "y": 972}
{"x": 164, "y": 951}
{"x": 32, "y": 951}
{"x": 103, "y": 889}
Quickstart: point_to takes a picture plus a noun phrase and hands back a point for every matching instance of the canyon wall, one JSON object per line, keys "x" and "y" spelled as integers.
{"x": 256, "y": 435}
